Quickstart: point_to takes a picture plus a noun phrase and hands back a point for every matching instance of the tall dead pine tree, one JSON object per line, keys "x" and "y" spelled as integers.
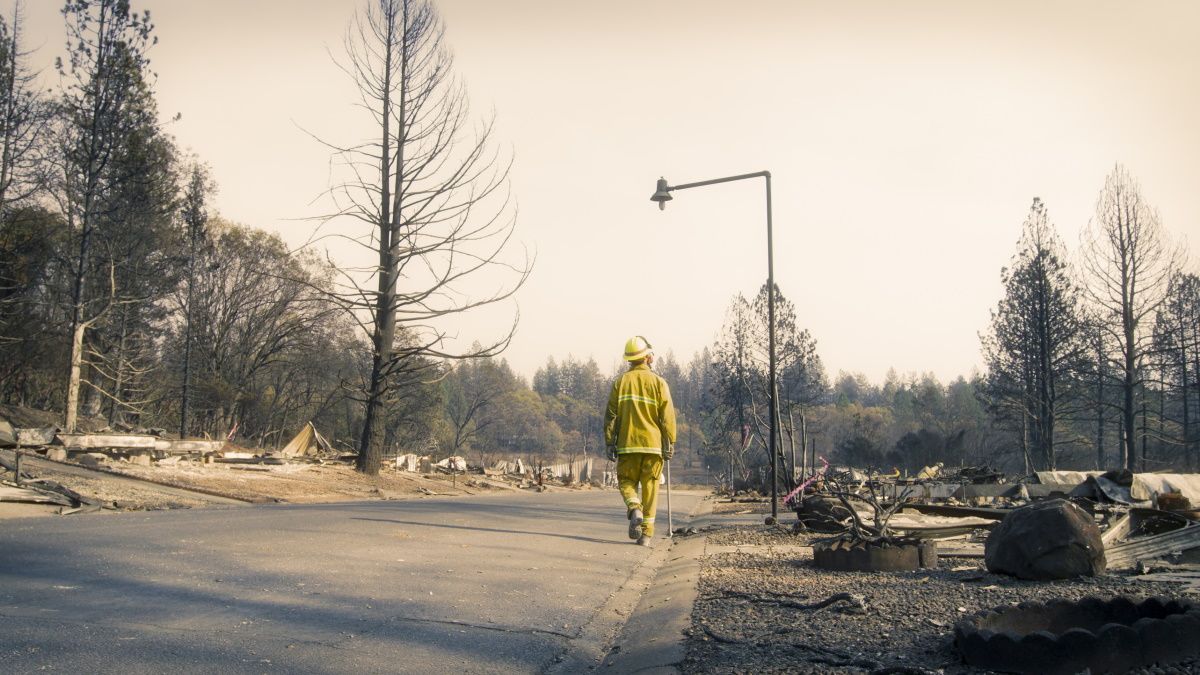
{"x": 434, "y": 197}
{"x": 1128, "y": 262}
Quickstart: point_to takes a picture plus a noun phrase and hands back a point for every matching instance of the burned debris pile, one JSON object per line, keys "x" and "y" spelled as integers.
{"x": 18, "y": 485}
{"x": 1076, "y": 522}
{"x": 868, "y": 544}
{"x": 1051, "y": 526}
{"x": 145, "y": 468}
{"x": 1045, "y": 573}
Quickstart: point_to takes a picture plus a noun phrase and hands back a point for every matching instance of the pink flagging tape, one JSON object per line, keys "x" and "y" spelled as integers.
{"x": 812, "y": 479}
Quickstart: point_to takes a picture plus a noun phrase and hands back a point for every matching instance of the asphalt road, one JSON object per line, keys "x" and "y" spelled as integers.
{"x": 505, "y": 583}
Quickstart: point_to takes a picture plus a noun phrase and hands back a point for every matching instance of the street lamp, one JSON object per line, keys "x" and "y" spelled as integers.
{"x": 662, "y": 195}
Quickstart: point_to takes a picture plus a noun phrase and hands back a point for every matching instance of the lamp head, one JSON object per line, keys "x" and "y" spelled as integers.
{"x": 662, "y": 194}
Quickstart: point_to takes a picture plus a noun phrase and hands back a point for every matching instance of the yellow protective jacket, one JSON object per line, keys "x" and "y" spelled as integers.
{"x": 639, "y": 412}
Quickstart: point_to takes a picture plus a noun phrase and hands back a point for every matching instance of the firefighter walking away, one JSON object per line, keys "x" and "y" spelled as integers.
{"x": 639, "y": 430}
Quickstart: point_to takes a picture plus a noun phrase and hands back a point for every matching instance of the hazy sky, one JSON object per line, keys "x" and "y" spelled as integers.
{"x": 906, "y": 141}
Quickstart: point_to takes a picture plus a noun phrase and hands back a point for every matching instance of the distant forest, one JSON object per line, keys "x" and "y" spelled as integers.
{"x": 124, "y": 302}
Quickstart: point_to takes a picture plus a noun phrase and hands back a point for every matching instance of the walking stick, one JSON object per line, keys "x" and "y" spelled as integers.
{"x": 670, "y": 523}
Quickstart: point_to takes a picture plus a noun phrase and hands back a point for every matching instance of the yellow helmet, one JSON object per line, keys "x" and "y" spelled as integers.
{"x": 637, "y": 347}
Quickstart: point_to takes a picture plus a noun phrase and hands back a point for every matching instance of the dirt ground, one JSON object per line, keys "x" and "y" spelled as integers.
{"x": 310, "y": 483}
{"x": 742, "y": 624}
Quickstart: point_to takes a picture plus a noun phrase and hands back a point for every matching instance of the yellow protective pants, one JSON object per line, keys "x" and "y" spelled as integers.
{"x": 640, "y": 469}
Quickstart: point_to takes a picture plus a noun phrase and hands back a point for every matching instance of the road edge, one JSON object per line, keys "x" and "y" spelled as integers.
{"x": 607, "y": 628}
{"x": 653, "y": 640}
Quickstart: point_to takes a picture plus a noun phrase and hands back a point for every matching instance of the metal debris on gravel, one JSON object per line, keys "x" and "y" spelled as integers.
{"x": 757, "y": 612}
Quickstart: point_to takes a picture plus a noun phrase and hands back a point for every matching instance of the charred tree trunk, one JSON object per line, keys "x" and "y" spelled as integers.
{"x": 1100, "y": 371}
{"x": 369, "y": 450}
{"x": 73, "y": 378}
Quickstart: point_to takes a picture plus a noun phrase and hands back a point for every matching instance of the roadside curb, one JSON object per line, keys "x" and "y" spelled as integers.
{"x": 607, "y": 626}
{"x": 653, "y": 640}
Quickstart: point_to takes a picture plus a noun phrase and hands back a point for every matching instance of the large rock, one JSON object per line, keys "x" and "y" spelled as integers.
{"x": 1054, "y": 539}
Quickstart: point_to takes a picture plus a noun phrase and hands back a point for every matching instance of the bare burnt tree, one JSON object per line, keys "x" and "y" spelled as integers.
{"x": 1100, "y": 384}
{"x": 1035, "y": 345}
{"x": 1128, "y": 262}
{"x": 847, "y": 490}
{"x": 802, "y": 383}
{"x": 433, "y": 197}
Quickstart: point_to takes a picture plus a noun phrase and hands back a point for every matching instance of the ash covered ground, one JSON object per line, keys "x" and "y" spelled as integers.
{"x": 746, "y": 618}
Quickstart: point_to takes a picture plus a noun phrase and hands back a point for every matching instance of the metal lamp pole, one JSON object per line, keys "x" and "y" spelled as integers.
{"x": 662, "y": 195}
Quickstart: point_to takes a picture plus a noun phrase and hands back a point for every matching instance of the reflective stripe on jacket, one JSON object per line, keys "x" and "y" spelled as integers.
{"x": 639, "y": 412}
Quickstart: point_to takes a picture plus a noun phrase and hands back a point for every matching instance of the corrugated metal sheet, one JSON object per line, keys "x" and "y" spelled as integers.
{"x": 1149, "y": 485}
{"x": 1064, "y": 477}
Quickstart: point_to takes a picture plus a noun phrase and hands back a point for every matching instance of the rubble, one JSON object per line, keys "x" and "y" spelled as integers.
{"x": 408, "y": 462}
{"x": 971, "y": 500}
{"x": 1059, "y": 536}
{"x": 307, "y": 443}
{"x": 12, "y": 493}
{"x": 1186, "y": 575}
{"x": 452, "y": 464}
{"x": 911, "y": 523}
{"x": 26, "y": 488}
{"x": 231, "y": 474}
{"x": 36, "y": 437}
{"x": 908, "y": 625}
{"x": 1146, "y": 534}
{"x": 106, "y": 441}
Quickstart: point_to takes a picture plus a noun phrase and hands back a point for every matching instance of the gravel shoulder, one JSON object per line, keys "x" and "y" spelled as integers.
{"x": 741, "y": 621}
